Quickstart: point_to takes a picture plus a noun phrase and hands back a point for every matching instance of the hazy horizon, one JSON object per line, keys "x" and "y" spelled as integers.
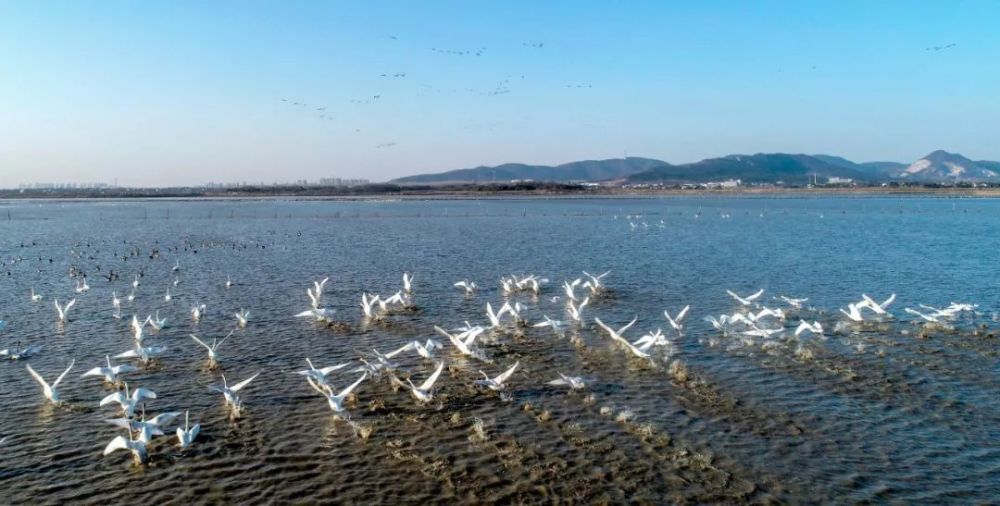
{"x": 158, "y": 94}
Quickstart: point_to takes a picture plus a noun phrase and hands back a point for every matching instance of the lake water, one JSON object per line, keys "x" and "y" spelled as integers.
{"x": 886, "y": 411}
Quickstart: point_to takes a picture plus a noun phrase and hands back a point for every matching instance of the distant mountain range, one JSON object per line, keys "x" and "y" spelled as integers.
{"x": 587, "y": 170}
{"x": 936, "y": 167}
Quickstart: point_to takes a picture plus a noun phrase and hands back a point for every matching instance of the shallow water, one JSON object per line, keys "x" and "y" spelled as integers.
{"x": 887, "y": 411}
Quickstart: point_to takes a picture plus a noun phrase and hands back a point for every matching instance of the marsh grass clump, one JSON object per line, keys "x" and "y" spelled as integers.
{"x": 477, "y": 432}
{"x": 678, "y": 371}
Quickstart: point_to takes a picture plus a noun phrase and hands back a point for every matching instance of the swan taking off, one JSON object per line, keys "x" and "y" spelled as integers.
{"x": 594, "y": 285}
{"x": 111, "y": 372}
{"x": 316, "y": 293}
{"x": 18, "y": 353}
{"x": 129, "y": 401}
{"x": 63, "y": 311}
{"x": 407, "y": 282}
{"x": 576, "y": 310}
{"x": 796, "y": 303}
{"x": 320, "y": 314}
{"x": 213, "y": 350}
{"x": 50, "y": 391}
{"x": 145, "y": 354}
{"x": 555, "y": 325}
{"x": 853, "y": 313}
{"x": 468, "y": 286}
{"x": 879, "y": 309}
{"x": 463, "y": 342}
{"x": 320, "y": 375}
{"x": 146, "y": 428}
{"x": 229, "y": 392}
{"x": 616, "y": 335}
{"x": 812, "y": 328}
{"x": 138, "y": 448}
{"x": 497, "y": 383}
{"x": 748, "y": 300}
{"x": 676, "y": 321}
{"x": 187, "y": 435}
{"x": 424, "y": 393}
{"x": 241, "y": 318}
{"x": 573, "y": 382}
{"x": 570, "y": 288}
{"x": 426, "y": 350}
{"x": 336, "y": 401}
{"x": 197, "y": 311}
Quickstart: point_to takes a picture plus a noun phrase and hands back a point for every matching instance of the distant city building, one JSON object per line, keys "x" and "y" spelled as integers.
{"x": 839, "y": 180}
{"x": 63, "y": 186}
{"x": 731, "y": 183}
{"x": 336, "y": 181}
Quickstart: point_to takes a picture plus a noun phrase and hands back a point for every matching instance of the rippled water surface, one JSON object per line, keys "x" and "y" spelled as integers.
{"x": 888, "y": 411}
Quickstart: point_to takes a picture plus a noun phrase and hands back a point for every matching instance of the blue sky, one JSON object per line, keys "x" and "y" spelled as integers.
{"x": 157, "y": 93}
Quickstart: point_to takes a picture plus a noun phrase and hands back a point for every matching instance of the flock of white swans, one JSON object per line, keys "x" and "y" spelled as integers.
{"x": 750, "y": 322}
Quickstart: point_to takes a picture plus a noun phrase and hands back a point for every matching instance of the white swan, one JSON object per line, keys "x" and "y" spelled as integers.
{"x": 675, "y": 322}
{"x": 407, "y": 282}
{"x": 213, "y": 350}
{"x": 555, "y": 325}
{"x": 319, "y": 314}
{"x": 145, "y": 354}
{"x": 156, "y": 322}
{"x": 570, "y": 288}
{"x": 50, "y": 391}
{"x": 495, "y": 316}
{"x": 594, "y": 285}
{"x": 167, "y": 297}
{"x": 146, "y": 428}
{"x": 426, "y": 350}
{"x": 138, "y": 448}
{"x": 368, "y": 305}
{"x": 111, "y": 372}
{"x": 316, "y": 292}
{"x": 35, "y": 297}
{"x": 468, "y": 286}
{"x": 796, "y": 303}
{"x": 576, "y": 310}
{"x": 82, "y": 286}
{"x": 812, "y": 328}
{"x": 336, "y": 401}
{"x": 463, "y": 342}
{"x": 230, "y": 392}
{"x": 197, "y": 311}
{"x": 18, "y": 353}
{"x": 424, "y": 392}
{"x": 879, "y": 309}
{"x": 573, "y": 382}
{"x": 853, "y": 313}
{"x": 616, "y": 334}
{"x": 926, "y": 317}
{"x": 129, "y": 401}
{"x": 63, "y": 311}
{"x": 749, "y": 299}
{"x": 320, "y": 375}
{"x": 187, "y": 435}
{"x": 241, "y": 318}
{"x": 497, "y": 383}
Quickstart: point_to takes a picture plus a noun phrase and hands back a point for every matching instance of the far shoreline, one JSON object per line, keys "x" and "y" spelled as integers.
{"x": 426, "y": 194}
